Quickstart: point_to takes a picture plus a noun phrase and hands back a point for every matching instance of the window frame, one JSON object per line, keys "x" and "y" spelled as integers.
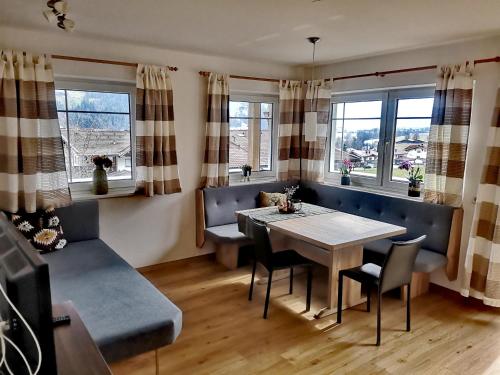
{"x": 388, "y": 120}
{"x": 235, "y": 176}
{"x": 126, "y": 185}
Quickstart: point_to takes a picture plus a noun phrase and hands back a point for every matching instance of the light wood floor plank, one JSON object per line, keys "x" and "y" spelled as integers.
{"x": 223, "y": 333}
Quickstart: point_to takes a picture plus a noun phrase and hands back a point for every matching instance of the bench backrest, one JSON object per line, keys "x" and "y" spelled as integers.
{"x": 221, "y": 203}
{"x": 419, "y": 218}
{"x": 80, "y": 220}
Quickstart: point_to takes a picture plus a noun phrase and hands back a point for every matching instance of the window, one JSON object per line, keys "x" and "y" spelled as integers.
{"x": 95, "y": 119}
{"x": 377, "y": 131}
{"x": 251, "y": 134}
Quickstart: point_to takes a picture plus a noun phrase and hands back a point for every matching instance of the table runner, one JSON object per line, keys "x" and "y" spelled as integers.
{"x": 270, "y": 214}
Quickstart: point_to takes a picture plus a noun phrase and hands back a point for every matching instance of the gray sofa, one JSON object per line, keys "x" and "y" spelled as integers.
{"x": 418, "y": 217}
{"x": 124, "y": 313}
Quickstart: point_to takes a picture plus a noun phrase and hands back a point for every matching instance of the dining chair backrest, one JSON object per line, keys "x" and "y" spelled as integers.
{"x": 398, "y": 266}
{"x": 262, "y": 244}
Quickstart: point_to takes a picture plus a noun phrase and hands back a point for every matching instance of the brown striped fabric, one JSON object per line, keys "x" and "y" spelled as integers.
{"x": 215, "y": 169}
{"x": 318, "y": 96}
{"x": 156, "y": 153}
{"x": 482, "y": 262}
{"x": 32, "y": 166}
{"x": 289, "y": 130}
{"x": 448, "y": 136}
{"x": 294, "y": 154}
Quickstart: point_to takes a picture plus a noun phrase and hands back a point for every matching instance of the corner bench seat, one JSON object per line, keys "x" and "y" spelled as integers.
{"x": 427, "y": 261}
{"x": 227, "y": 233}
{"x": 123, "y": 312}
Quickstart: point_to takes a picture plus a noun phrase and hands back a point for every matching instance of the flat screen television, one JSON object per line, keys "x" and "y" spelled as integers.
{"x": 24, "y": 276}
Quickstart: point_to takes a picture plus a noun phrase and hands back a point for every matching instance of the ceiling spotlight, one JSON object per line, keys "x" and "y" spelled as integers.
{"x": 58, "y": 10}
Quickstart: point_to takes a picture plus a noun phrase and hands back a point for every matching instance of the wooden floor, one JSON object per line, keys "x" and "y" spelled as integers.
{"x": 224, "y": 333}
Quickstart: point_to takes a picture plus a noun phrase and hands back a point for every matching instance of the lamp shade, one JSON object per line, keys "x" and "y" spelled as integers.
{"x": 311, "y": 126}
{"x": 69, "y": 25}
{"x": 50, "y": 16}
{"x": 61, "y": 7}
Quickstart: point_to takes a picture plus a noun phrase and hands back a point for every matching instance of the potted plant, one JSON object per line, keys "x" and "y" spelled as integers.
{"x": 100, "y": 178}
{"x": 246, "y": 172}
{"x": 290, "y": 205}
{"x": 415, "y": 178}
{"x": 346, "y": 170}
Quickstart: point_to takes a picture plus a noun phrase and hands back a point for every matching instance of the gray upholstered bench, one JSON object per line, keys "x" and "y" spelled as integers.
{"x": 216, "y": 219}
{"x": 441, "y": 224}
{"x": 124, "y": 313}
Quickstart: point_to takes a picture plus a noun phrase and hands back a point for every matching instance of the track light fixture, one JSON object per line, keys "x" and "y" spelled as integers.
{"x": 57, "y": 12}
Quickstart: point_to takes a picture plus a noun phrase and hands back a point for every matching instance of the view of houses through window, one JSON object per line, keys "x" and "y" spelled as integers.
{"x": 95, "y": 123}
{"x": 413, "y": 121}
{"x": 250, "y": 138}
{"x": 357, "y": 132}
{"x": 395, "y": 123}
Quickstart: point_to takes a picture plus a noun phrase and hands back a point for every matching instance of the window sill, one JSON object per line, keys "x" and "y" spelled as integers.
{"x": 83, "y": 195}
{"x": 378, "y": 190}
{"x": 253, "y": 180}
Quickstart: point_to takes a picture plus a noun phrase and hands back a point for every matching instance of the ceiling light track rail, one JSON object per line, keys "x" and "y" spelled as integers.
{"x": 99, "y": 61}
{"x": 374, "y": 74}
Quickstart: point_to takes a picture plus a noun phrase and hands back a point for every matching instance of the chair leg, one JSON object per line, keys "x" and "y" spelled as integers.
{"x": 379, "y": 311}
{"x": 339, "y": 300}
{"x": 269, "y": 281}
{"x": 309, "y": 288}
{"x": 368, "y": 297}
{"x": 250, "y": 293}
{"x": 157, "y": 363}
{"x": 408, "y": 299}
{"x": 290, "y": 291}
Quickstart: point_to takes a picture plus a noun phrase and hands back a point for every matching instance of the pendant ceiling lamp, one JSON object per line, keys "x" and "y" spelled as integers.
{"x": 311, "y": 116}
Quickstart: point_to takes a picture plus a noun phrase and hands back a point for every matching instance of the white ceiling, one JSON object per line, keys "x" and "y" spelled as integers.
{"x": 272, "y": 30}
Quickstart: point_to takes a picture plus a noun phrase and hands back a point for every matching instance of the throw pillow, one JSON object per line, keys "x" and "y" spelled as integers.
{"x": 42, "y": 229}
{"x": 271, "y": 199}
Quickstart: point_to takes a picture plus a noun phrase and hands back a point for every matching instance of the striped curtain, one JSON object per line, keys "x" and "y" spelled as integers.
{"x": 290, "y": 123}
{"x": 215, "y": 169}
{"x": 32, "y": 168}
{"x": 482, "y": 262}
{"x": 156, "y": 155}
{"x": 447, "y": 147}
{"x": 318, "y": 98}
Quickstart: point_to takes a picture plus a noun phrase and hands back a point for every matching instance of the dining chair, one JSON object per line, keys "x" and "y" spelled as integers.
{"x": 273, "y": 261}
{"x": 395, "y": 272}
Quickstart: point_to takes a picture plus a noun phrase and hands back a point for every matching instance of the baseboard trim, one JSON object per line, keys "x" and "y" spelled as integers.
{"x": 156, "y": 266}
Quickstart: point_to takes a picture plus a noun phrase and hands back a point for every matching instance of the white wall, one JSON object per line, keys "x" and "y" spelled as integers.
{"x": 487, "y": 79}
{"x": 152, "y": 230}
{"x": 146, "y": 231}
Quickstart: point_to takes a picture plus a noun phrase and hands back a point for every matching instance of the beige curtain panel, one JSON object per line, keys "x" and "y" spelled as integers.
{"x": 156, "y": 154}
{"x": 32, "y": 168}
{"x": 290, "y": 122}
{"x": 215, "y": 169}
{"x": 318, "y": 96}
{"x": 482, "y": 262}
{"x": 449, "y": 132}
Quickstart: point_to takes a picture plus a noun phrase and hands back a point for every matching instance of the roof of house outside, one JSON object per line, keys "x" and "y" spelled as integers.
{"x": 87, "y": 142}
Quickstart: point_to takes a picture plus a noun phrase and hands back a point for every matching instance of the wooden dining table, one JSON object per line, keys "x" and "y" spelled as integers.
{"x": 332, "y": 238}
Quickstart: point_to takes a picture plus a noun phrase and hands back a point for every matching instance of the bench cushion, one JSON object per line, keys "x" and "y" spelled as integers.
{"x": 80, "y": 220}
{"x": 124, "y": 313}
{"x": 221, "y": 203}
{"x": 228, "y": 233}
{"x": 427, "y": 261}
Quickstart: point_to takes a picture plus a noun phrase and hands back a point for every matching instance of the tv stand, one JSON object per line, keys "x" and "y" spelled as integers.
{"x": 76, "y": 352}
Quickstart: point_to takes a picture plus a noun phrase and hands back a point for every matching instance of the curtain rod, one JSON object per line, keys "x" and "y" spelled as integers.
{"x": 375, "y": 74}
{"x": 99, "y": 61}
